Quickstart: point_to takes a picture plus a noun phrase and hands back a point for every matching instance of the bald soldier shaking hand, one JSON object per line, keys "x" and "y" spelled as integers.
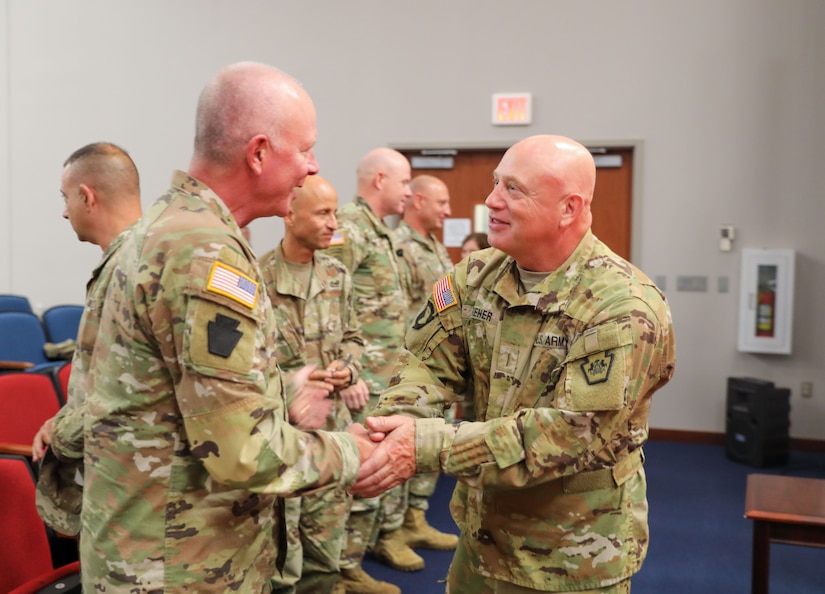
{"x": 561, "y": 344}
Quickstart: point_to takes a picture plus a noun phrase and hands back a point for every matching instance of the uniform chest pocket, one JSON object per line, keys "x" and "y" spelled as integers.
{"x": 595, "y": 371}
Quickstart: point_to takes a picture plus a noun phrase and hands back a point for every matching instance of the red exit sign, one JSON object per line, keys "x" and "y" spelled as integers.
{"x": 512, "y": 109}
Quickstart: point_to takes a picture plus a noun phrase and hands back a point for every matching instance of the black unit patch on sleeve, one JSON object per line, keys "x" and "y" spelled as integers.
{"x": 223, "y": 335}
{"x": 425, "y": 316}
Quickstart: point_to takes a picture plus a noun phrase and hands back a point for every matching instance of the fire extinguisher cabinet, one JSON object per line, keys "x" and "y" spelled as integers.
{"x": 766, "y": 301}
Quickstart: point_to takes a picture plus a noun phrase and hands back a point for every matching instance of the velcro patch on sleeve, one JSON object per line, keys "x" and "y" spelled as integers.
{"x": 229, "y": 282}
{"x": 338, "y": 238}
{"x": 443, "y": 294}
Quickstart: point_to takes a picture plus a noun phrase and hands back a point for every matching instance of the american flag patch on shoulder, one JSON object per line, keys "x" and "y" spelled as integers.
{"x": 337, "y": 238}
{"x": 225, "y": 280}
{"x": 443, "y": 293}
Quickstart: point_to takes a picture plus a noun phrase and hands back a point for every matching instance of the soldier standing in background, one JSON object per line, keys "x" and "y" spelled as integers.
{"x": 366, "y": 247}
{"x": 311, "y": 296}
{"x": 186, "y": 446}
{"x": 101, "y": 195}
{"x": 426, "y": 260}
{"x": 562, "y": 344}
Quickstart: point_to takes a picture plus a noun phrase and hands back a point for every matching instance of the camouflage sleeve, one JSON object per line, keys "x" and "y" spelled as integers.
{"x": 234, "y": 421}
{"x": 607, "y": 378}
{"x": 349, "y": 249}
{"x": 352, "y": 342}
{"x": 67, "y": 433}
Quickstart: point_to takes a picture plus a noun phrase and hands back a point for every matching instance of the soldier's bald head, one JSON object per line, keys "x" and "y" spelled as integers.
{"x": 379, "y": 160}
{"x": 241, "y": 101}
{"x": 314, "y": 190}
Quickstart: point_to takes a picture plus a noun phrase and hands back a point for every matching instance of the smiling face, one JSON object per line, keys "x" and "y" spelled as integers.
{"x": 292, "y": 158}
{"x": 540, "y": 203}
{"x": 435, "y": 206}
{"x": 395, "y": 189}
{"x": 311, "y": 220}
{"x": 522, "y": 211}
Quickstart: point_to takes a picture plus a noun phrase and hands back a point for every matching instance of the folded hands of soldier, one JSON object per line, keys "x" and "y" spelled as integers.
{"x": 338, "y": 373}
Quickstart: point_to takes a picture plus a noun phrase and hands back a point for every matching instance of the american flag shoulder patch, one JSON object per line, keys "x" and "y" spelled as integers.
{"x": 338, "y": 238}
{"x": 225, "y": 280}
{"x": 443, "y": 293}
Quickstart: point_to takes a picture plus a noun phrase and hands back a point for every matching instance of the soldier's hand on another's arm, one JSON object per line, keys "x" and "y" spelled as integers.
{"x": 393, "y": 461}
{"x": 366, "y": 444}
{"x": 42, "y": 440}
{"x": 356, "y": 396}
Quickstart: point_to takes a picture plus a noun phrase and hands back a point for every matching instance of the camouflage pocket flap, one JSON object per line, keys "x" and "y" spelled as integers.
{"x": 594, "y": 371}
{"x": 603, "y": 337}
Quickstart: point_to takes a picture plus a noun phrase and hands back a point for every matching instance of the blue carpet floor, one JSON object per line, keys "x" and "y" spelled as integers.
{"x": 700, "y": 540}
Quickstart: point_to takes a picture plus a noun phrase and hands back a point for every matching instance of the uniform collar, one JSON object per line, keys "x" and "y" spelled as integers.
{"x": 287, "y": 284}
{"x": 184, "y": 182}
{"x": 553, "y": 293}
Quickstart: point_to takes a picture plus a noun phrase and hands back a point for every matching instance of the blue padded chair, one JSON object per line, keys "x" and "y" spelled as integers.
{"x": 22, "y": 339}
{"x": 15, "y": 303}
{"x": 61, "y": 322}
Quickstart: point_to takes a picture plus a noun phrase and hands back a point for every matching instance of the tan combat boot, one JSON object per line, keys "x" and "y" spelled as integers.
{"x": 418, "y": 533}
{"x": 392, "y": 549}
{"x": 358, "y": 581}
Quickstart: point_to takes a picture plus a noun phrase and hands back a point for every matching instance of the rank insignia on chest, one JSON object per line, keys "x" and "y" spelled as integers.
{"x": 443, "y": 293}
{"x": 596, "y": 368}
{"x": 223, "y": 335}
{"x": 225, "y": 280}
{"x": 337, "y": 238}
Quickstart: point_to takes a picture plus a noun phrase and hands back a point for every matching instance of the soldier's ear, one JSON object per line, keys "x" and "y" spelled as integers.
{"x": 89, "y": 196}
{"x": 572, "y": 207}
{"x": 256, "y": 152}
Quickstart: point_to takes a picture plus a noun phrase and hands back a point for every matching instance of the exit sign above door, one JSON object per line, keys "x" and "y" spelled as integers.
{"x": 512, "y": 109}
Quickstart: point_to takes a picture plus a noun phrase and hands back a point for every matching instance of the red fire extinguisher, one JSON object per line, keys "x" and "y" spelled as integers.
{"x": 765, "y": 311}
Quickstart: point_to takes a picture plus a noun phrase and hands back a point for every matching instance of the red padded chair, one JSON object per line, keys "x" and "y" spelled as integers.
{"x": 26, "y": 401}
{"x": 25, "y": 556}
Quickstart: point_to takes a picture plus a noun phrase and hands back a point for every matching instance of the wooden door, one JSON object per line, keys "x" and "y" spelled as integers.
{"x": 470, "y": 180}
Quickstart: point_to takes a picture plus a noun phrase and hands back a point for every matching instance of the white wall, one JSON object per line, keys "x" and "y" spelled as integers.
{"x": 727, "y": 100}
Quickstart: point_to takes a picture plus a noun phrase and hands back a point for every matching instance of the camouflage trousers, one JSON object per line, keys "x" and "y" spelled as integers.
{"x": 316, "y": 534}
{"x": 371, "y": 515}
{"x": 461, "y": 579}
{"x": 368, "y": 518}
{"x": 421, "y": 488}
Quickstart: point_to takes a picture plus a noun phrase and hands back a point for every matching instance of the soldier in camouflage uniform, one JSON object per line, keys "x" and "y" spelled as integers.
{"x": 186, "y": 447}
{"x": 562, "y": 344}
{"x": 426, "y": 260}
{"x": 311, "y": 294}
{"x": 101, "y": 193}
{"x": 366, "y": 247}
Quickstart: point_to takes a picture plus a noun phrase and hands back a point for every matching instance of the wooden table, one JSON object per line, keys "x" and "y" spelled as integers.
{"x": 784, "y": 509}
